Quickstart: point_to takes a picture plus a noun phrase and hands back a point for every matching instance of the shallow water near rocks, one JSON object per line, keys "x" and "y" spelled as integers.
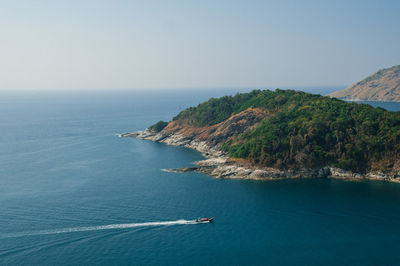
{"x": 72, "y": 193}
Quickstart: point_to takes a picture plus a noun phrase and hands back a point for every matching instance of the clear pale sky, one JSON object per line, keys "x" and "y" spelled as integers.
{"x": 58, "y": 45}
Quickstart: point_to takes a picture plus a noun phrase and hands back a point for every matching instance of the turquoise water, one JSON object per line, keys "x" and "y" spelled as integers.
{"x": 72, "y": 193}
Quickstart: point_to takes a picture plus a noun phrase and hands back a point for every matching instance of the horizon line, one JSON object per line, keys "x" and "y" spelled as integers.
{"x": 168, "y": 88}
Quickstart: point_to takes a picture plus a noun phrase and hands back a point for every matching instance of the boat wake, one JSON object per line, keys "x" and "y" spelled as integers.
{"x": 99, "y": 227}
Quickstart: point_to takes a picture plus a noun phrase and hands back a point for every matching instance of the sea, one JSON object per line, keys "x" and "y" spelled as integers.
{"x": 73, "y": 193}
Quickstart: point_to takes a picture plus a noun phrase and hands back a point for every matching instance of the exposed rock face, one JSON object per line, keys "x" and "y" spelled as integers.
{"x": 219, "y": 133}
{"x": 383, "y": 85}
{"x": 204, "y": 139}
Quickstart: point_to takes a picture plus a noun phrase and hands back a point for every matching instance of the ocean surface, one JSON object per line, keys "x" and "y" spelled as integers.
{"x": 72, "y": 193}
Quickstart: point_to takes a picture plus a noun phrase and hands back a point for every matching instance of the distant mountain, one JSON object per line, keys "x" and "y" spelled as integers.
{"x": 384, "y": 85}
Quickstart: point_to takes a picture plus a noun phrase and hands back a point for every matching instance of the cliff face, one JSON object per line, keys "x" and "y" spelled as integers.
{"x": 383, "y": 85}
{"x": 216, "y": 134}
{"x": 206, "y": 139}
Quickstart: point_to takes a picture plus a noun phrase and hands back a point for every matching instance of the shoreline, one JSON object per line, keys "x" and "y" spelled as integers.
{"x": 357, "y": 100}
{"x": 218, "y": 164}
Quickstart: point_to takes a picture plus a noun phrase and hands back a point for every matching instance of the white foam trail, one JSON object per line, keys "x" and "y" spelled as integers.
{"x": 99, "y": 227}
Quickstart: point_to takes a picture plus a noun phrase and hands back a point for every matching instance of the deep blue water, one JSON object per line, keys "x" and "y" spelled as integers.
{"x": 64, "y": 174}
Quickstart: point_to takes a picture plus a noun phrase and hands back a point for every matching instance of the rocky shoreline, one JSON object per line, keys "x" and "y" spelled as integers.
{"x": 219, "y": 165}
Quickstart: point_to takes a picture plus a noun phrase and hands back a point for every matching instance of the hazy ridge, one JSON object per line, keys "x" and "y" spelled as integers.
{"x": 383, "y": 85}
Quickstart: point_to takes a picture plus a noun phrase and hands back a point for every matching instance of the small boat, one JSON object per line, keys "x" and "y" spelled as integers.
{"x": 204, "y": 220}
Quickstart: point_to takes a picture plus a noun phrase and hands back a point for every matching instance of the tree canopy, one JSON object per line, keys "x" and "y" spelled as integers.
{"x": 305, "y": 130}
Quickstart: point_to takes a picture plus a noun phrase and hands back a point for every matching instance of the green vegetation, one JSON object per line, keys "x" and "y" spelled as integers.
{"x": 214, "y": 110}
{"x": 306, "y": 130}
{"x": 157, "y": 127}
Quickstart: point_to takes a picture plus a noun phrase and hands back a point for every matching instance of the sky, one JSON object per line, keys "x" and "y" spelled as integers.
{"x": 100, "y": 45}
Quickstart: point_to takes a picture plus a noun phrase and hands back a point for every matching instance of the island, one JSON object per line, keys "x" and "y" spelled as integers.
{"x": 383, "y": 85}
{"x": 280, "y": 134}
